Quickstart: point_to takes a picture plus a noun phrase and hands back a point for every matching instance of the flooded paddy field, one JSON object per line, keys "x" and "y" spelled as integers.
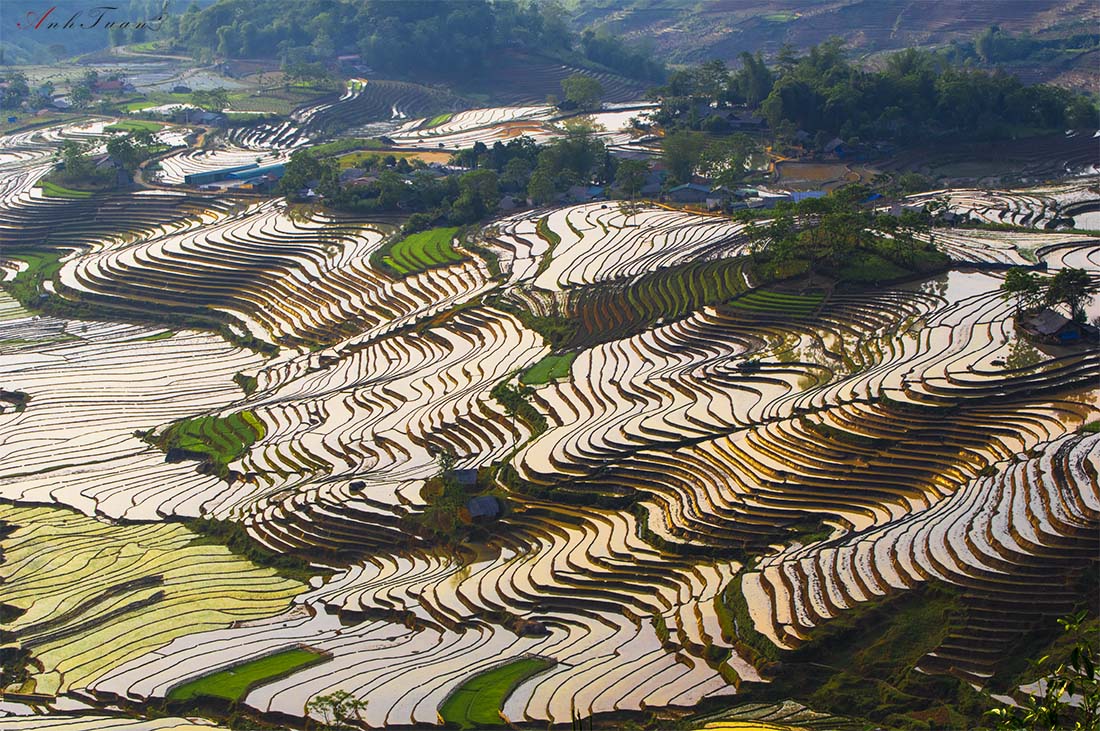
{"x": 705, "y": 473}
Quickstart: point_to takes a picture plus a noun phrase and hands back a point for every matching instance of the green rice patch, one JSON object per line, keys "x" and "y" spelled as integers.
{"x": 221, "y": 439}
{"x": 478, "y": 701}
{"x": 234, "y": 683}
{"x": 53, "y": 190}
{"x": 550, "y": 368}
{"x": 762, "y": 300}
{"x": 135, "y": 125}
{"x": 440, "y": 119}
{"x": 422, "y": 251}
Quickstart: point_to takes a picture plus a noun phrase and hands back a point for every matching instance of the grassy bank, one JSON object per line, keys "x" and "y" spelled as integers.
{"x": 233, "y": 683}
{"x": 550, "y": 368}
{"x": 422, "y": 251}
{"x": 478, "y": 701}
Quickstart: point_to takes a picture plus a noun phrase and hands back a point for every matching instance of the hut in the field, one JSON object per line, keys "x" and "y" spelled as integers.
{"x": 1048, "y": 326}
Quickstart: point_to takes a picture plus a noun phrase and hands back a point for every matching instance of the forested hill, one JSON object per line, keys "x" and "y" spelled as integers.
{"x": 412, "y": 37}
{"x": 44, "y": 32}
{"x": 697, "y": 30}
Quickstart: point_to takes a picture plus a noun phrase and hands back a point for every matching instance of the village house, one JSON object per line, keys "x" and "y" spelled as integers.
{"x": 1054, "y": 328}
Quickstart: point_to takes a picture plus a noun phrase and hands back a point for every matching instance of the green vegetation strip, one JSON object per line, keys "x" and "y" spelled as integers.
{"x": 53, "y": 190}
{"x": 550, "y": 368}
{"x": 440, "y": 119}
{"x": 134, "y": 125}
{"x": 222, "y": 439}
{"x": 478, "y": 701}
{"x": 234, "y": 683}
{"x": 337, "y": 147}
{"x": 42, "y": 266}
{"x": 422, "y": 251}
{"x": 542, "y": 228}
{"x": 762, "y": 300}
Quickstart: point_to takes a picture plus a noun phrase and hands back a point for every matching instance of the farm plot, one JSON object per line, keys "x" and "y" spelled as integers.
{"x": 376, "y": 416}
{"x": 488, "y": 126}
{"x": 174, "y": 168}
{"x": 571, "y": 585}
{"x": 1004, "y": 538}
{"x": 278, "y": 278}
{"x": 1039, "y": 208}
{"x": 598, "y": 242}
{"x": 233, "y": 683}
{"x": 478, "y": 701}
{"x": 96, "y": 723}
{"x": 421, "y": 251}
{"x": 94, "y": 596}
{"x": 859, "y": 442}
{"x": 76, "y": 446}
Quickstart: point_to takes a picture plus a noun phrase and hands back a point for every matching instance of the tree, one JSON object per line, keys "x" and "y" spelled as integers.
{"x": 582, "y": 91}
{"x": 516, "y": 172}
{"x": 1050, "y": 708}
{"x": 303, "y": 169}
{"x": 540, "y": 189}
{"x": 479, "y": 194}
{"x": 1024, "y": 286}
{"x": 212, "y": 100}
{"x": 1073, "y": 288}
{"x": 724, "y": 159}
{"x": 682, "y": 152}
{"x": 80, "y": 96}
{"x": 340, "y": 710}
{"x": 16, "y": 91}
{"x": 130, "y": 150}
{"x": 631, "y": 175}
{"x": 754, "y": 81}
{"x": 77, "y": 162}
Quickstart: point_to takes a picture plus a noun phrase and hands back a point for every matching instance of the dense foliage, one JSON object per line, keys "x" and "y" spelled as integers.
{"x": 995, "y": 46}
{"x": 841, "y": 237}
{"x": 521, "y": 168}
{"x": 1068, "y": 694}
{"x": 1073, "y": 288}
{"x": 915, "y": 97}
{"x": 412, "y": 37}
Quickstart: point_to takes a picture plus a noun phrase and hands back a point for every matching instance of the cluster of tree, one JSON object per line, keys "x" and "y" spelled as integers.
{"x": 520, "y": 167}
{"x": 16, "y": 91}
{"x": 79, "y": 168}
{"x": 412, "y": 37}
{"x": 455, "y": 200}
{"x": 339, "y": 710}
{"x": 610, "y": 51}
{"x": 578, "y": 158}
{"x": 1068, "y": 696}
{"x": 442, "y": 518}
{"x": 580, "y": 91}
{"x": 840, "y": 236}
{"x": 130, "y": 150}
{"x": 212, "y": 100}
{"x": 88, "y": 30}
{"x": 995, "y": 46}
{"x": 1073, "y": 288}
{"x": 723, "y": 160}
{"x": 84, "y": 89}
{"x": 916, "y": 96}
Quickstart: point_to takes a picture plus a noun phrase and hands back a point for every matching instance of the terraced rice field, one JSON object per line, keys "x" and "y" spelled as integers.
{"x": 488, "y": 126}
{"x": 478, "y": 701}
{"x": 94, "y": 595}
{"x": 421, "y": 251}
{"x": 685, "y": 435}
{"x": 233, "y": 683}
